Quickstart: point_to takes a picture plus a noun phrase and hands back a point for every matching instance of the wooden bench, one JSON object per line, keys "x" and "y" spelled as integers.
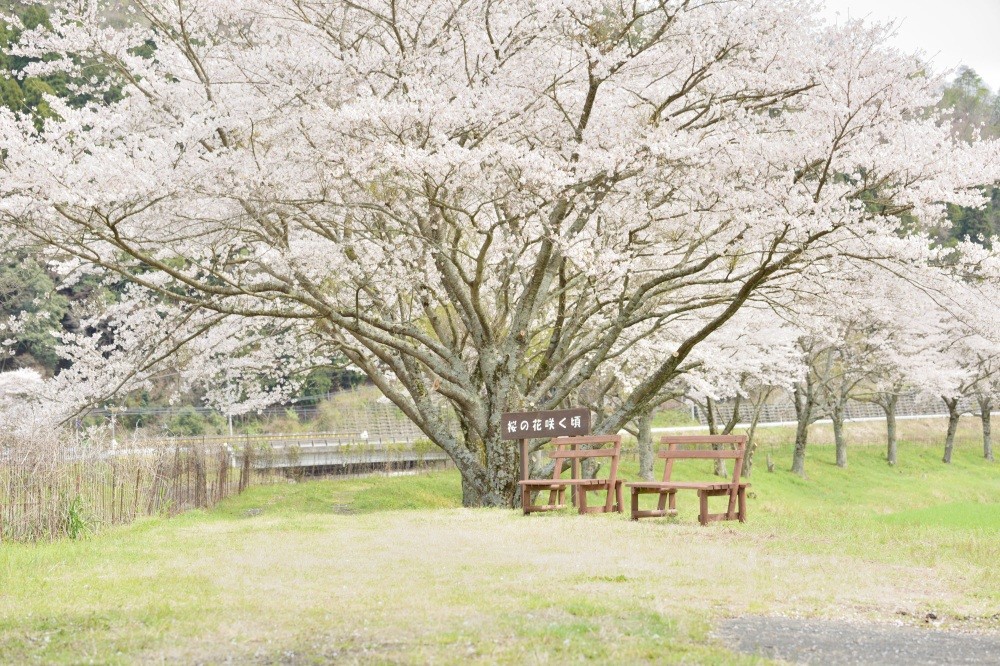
{"x": 567, "y": 448}
{"x": 667, "y": 489}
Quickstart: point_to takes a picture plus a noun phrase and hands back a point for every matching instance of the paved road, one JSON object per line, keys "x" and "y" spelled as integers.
{"x": 838, "y": 642}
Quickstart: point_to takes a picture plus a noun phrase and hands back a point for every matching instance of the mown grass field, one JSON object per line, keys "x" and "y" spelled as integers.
{"x": 392, "y": 570}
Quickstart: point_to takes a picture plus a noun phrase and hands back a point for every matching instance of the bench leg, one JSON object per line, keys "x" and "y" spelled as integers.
{"x": 731, "y": 508}
{"x": 574, "y": 491}
{"x": 668, "y": 499}
{"x": 703, "y": 502}
{"x": 652, "y": 513}
{"x": 743, "y": 504}
{"x": 581, "y": 499}
{"x": 526, "y": 500}
{"x": 619, "y": 506}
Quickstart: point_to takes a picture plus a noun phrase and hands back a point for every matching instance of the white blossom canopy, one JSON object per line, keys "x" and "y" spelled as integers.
{"x": 483, "y": 203}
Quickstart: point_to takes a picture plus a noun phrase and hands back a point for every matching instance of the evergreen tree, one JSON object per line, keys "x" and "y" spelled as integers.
{"x": 976, "y": 111}
{"x": 28, "y": 293}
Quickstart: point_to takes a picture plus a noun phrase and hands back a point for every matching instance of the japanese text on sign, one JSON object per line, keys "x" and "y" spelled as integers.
{"x": 544, "y": 424}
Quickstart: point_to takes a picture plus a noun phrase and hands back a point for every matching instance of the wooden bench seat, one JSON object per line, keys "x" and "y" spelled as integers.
{"x": 667, "y": 489}
{"x": 684, "y": 485}
{"x": 564, "y": 482}
{"x": 567, "y": 449}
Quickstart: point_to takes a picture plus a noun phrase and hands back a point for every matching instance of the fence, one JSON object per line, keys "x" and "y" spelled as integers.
{"x": 48, "y": 490}
{"x": 782, "y": 410}
{"x": 383, "y": 422}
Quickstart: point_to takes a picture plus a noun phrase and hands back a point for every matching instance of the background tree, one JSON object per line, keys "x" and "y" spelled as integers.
{"x": 905, "y": 340}
{"x": 974, "y": 109}
{"x": 34, "y": 314}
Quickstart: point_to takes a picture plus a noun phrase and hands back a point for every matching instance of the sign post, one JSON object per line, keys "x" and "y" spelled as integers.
{"x": 523, "y": 426}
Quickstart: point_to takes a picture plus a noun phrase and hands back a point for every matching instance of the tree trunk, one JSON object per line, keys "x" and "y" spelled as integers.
{"x": 953, "y": 416}
{"x": 803, "y": 412}
{"x": 889, "y": 407}
{"x": 751, "y": 442}
{"x": 713, "y": 428}
{"x": 985, "y": 407}
{"x": 645, "y": 446}
{"x": 838, "y": 435}
{"x": 713, "y": 425}
{"x": 471, "y": 495}
{"x": 493, "y": 481}
{"x": 503, "y": 463}
{"x": 799, "y": 456}
{"x": 751, "y": 445}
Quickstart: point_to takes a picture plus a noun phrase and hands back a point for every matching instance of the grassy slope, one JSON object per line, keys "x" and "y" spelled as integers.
{"x": 391, "y": 569}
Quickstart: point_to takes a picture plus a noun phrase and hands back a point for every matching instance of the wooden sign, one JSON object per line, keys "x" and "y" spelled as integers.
{"x": 545, "y": 424}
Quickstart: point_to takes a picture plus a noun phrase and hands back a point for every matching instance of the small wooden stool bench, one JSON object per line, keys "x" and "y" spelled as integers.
{"x": 667, "y": 489}
{"x": 566, "y": 449}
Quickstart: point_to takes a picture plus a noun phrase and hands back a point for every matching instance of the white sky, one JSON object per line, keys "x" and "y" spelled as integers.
{"x": 949, "y": 32}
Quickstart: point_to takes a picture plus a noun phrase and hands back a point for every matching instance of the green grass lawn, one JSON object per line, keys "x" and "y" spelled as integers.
{"x": 392, "y": 569}
{"x": 666, "y": 418}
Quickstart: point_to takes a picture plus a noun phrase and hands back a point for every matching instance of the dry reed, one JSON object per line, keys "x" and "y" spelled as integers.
{"x": 51, "y": 487}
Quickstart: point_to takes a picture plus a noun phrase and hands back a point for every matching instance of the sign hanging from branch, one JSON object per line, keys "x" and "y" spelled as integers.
{"x": 545, "y": 424}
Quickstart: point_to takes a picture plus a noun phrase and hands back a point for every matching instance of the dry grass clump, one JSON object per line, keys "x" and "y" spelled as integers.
{"x": 54, "y": 486}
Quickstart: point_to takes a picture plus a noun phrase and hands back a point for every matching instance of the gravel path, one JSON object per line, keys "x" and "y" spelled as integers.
{"x": 838, "y": 642}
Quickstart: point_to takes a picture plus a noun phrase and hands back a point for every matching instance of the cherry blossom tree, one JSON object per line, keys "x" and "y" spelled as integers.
{"x": 865, "y": 336}
{"x": 19, "y": 383}
{"x": 752, "y": 355}
{"x": 987, "y": 357}
{"x": 482, "y": 205}
{"x": 19, "y": 393}
{"x": 937, "y": 338}
{"x": 974, "y": 360}
{"x": 905, "y": 331}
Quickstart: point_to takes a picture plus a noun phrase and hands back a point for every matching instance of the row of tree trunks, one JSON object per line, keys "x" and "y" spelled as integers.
{"x": 805, "y": 408}
{"x": 888, "y": 404}
{"x": 954, "y": 414}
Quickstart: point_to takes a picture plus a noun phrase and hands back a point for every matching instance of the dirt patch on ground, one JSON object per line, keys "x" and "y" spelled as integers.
{"x": 805, "y": 641}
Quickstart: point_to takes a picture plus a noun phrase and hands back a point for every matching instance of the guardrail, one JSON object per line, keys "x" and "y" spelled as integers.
{"x": 311, "y": 453}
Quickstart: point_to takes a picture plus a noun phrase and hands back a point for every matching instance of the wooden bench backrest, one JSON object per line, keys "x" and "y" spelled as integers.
{"x": 672, "y": 453}
{"x": 566, "y": 449}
